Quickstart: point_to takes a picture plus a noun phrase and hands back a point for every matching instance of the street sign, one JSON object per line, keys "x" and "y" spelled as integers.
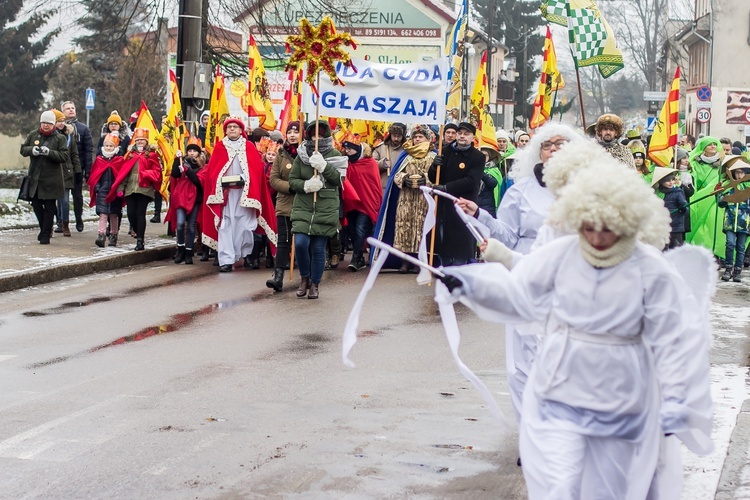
{"x": 650, "y": 124}
{"x": 90, "y": 97}
{"x": 649, "y": 95}
{"x": 704, "y": 115}
{"x": 703, "y": 93}
{"x": 703, "y": 104}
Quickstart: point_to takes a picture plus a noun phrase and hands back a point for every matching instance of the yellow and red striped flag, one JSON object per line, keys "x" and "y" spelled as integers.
{"x": 292, "y": 100}
{"x": 479, "y": 114}
{"x": 145, "y": 120}
{"x": 259, "y": 96}
{"x": 661, "y": 147}
{"x": 551, "y": 80}
{"x": 218, "y": 112}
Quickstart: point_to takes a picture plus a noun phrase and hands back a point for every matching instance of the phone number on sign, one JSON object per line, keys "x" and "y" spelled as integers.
{"x": 398, "y": 32}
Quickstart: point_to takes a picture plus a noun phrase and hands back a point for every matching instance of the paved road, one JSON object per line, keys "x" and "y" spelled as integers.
{"x": 173, "y": 381}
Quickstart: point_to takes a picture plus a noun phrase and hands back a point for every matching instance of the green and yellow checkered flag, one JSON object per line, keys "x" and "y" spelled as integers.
{"x": 592, "y": 40}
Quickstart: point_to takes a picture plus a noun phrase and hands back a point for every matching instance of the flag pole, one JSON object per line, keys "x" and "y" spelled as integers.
{"x": 580, "y": 97}
{"x": 437, "y": 181}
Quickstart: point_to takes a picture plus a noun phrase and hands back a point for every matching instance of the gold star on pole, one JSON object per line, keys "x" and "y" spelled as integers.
{"x": 320, "y": 48}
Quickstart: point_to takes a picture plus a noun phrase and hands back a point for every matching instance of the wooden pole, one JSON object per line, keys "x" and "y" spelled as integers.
{"x": 291, "y": 261}
{"x": 580, "y": 98}
{"x": 437, "y": 181}
{"x": 317, "y": 130}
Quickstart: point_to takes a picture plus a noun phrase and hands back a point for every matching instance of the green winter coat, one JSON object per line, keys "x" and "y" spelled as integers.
{"x": 46, "y": 180}
{"x": 321, "y": 217}
{"x": 706, "y": 217}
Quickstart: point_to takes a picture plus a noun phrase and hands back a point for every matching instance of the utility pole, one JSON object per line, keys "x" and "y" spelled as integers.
{"x": 189, "y": 48}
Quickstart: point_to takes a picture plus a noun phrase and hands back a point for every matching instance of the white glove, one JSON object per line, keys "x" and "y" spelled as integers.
{"x": 686, "y": 178}
{"x": 497, "y": 252}
{"x": 318, "y": 162}
{"x": 313, "y": 184}
{"x": 44, "y": 150}
{"x": 36, "y": 151}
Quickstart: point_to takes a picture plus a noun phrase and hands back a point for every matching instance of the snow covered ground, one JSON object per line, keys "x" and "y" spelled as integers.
{"x": 15, "y": 214}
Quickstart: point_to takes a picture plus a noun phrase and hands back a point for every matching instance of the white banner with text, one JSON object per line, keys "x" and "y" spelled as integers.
{"x": 406, "y": 93}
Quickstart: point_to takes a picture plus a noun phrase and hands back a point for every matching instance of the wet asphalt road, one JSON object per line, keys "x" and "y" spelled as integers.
{"x": 167, "y": 381}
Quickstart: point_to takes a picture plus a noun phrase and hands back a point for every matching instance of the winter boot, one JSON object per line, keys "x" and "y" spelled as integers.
{"x": 277, "y": 282}
{"x": 736, "y": 276}
{"x": 727, "y": 275}
{"x": 156, "y": 219}
{"x": 113, "y": 240}
{"x": 59, "y": 228}
{"x": 100, "y": 240}
{"x": 179, "y": 257}
{"x": 139, "y": 244}
{"x": 206, "y": 254}
{"x": 66, "y": 228}
{"x": 269, "y": 260}
{"x": 314, "y": 294}
{"x": 79, "y": 223}
{"x": 304, "y": 285}
{"x": 188, "y": 256}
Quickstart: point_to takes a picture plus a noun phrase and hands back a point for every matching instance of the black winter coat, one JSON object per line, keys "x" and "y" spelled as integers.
{"x": 461, "y": 174}
{"x": 85, "y": 146}
{"x": 487, "y": 194}
{"x": 675, "y": 201}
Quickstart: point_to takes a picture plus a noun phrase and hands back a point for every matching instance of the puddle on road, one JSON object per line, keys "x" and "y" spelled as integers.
{"x": 174, "y": 323}
{"x": 68, "y": 306}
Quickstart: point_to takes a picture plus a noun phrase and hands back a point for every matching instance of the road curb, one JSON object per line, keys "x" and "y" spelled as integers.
{"x": 73, "y": 270}
{"x": 736, "y": 459}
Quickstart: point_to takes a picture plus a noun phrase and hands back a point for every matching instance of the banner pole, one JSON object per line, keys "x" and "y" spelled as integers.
{"x": 580, "y": 98}
{"x": 437, "y": 181}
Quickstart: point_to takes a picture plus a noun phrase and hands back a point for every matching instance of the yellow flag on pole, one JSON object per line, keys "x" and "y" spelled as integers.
{"x": 259, "y": 96}
{"x": 479, "y": 114}
{"x": 550, "y": 81}
{"x": 661, "y": 146}
{"x": 292, "y": 99}
{"x": 218, "y": 112}
{"x": 166, "y": 154}
{"x": 455, "y": 50}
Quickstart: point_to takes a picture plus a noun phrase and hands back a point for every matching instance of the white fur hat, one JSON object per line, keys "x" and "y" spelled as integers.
{"x": 531, "y": 154}
{"x": 571, "y": 158}
{"x": 627, "y": 206}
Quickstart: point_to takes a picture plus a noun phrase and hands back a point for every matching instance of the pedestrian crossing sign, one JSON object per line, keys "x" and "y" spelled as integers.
{"x": 90, "y": 95}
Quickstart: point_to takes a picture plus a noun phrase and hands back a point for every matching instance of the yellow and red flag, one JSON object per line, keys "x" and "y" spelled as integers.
{"x": 174, "y": 126}
{"x": 292, "y": 100}
{"x": 479, "y": 114}
{"x": 551, "y": 80}
{"x": 661, "y": 147}
{"x": 259, "y": 95}
{"x": 145, "y": 120}
{"x": 218, "y": 112}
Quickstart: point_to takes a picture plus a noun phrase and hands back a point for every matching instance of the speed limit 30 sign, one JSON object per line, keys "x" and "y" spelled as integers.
{"x": 703, "y": 115}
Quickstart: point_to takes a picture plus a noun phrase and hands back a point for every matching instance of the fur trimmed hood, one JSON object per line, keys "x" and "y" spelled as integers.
{"x": 530, "y": 156}
{"x": 123, "y": 132}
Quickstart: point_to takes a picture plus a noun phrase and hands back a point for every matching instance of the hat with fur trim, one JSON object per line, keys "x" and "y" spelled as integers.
{"x": 529, "y": 156}
{"x": 237, "y": 121}
{"x": 570, "y": 159}
{"x": 612, "y": 120}
{"x": 660, "y": 174}
{"x": 422, "y": 130}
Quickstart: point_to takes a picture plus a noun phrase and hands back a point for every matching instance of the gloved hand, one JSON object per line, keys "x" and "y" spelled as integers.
{"x": 313, "y": 184}
{"x": 416, "y": 183}
{"x": 318, "y": 162}
{"x": 35, "y": 151}
{"x": 496, "y": 251}
{"x": 439, "y": 187}
{"x": 438, "y": 161}
{"x": 78, "y": 178}
{"x": 451, "y": 282}
{"x": 44, "y": 150}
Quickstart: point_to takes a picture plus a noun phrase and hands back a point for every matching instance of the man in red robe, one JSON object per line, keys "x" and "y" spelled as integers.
{"x": 238, "y": 201}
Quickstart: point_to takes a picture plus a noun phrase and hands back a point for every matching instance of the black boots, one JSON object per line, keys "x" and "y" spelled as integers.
{"x": 251, "y": 262}
{"x": 313, "y": 291}
{"x": 727, "y": 274}
{"x": 226, "y": 268}
{"x": 79, "y": 224}
{"x": 188, "y": 256}
{"x": 304, "y": 285}
{"x": 101, "y": 239}
{"x": 736, "y": 276}
{"x": 139, "y": 244}
{"x": 179, "y": 257}
{"x": 113, "y": 240}
{"x": 277, "y": 282}
{"x": 65, "y": 228}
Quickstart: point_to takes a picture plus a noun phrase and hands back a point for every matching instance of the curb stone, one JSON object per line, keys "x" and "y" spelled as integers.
{"x": 733, "y": 470}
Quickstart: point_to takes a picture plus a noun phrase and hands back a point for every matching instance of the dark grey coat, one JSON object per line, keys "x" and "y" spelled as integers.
{"x": 46, "y": 172}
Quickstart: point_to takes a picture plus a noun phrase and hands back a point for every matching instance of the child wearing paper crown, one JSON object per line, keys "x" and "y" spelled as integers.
{"x": 106, "y": 166}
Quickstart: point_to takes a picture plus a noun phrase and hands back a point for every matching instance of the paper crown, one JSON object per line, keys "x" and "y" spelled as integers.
{"x": 267, "y": 144}
{"x": 140, "y": 133}
{"x": 113, "y": 138}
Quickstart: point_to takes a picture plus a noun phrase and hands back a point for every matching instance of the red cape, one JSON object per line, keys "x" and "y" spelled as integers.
{"x": 256, "y": 193}
{"x": 101, "y": 164}
{"x": 364, "y": 176}
{"x": 182, "y": 194}
{"x": 149, "y": 172}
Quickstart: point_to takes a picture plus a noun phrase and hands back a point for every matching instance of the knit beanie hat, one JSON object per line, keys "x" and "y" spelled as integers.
{"x": 114, "y": 117}
{"x": 58, "y": 115}
{"x": 293, "y": 125}
{"x": 48, "y": 117}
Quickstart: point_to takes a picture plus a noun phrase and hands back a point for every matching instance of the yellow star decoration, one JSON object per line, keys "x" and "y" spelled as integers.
{"x": 320, "y": 48}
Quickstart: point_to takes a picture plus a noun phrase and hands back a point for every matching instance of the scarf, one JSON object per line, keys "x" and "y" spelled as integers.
{"x": 325, "y": 146}
{"x": 109, "y": 155}
{"x": 709, "y": 159}
{"x": 46, "y": 134}
{"x": 455, "y": 146}
{"x": 291, "y": 149}
{"x": 417, "y": 151}
{"x": 607, "y": 144}
{"x": 539, "y": 174}
{"x": 340, "y": 163}
{"x": 617, "y": 253}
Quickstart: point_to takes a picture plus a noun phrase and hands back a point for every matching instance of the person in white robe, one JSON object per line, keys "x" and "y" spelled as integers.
{"x": 616, "y": 370}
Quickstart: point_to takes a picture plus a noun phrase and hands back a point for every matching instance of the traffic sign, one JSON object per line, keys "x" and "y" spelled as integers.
{"x": 90, "y": 97}
{"x": 703, "y": 93}
{"x": 702, "y": 104}
{"x": 649, "y": 95}
{"x": 650, "y": 123}
{"x": 704, "y": 115}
